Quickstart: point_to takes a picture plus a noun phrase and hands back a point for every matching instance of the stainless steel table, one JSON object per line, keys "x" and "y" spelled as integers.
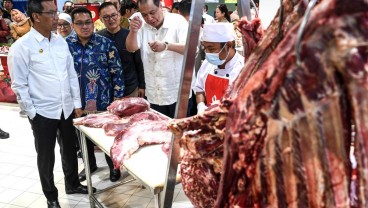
{"x": 148, "y": 165}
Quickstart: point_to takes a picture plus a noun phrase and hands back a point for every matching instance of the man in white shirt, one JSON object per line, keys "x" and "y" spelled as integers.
{"x": 47, "y": 89}
{"x": 207, "y": 18}
{"x": 161, "y": 39}
{"x": 221, "y": 66}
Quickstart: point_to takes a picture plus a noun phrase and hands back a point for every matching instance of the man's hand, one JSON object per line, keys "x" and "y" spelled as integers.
{"x": 78, "y": 112}
{"x": 157, "y": 46}
{"x": 135, "y": 24}
{"x": 141, "y": 93}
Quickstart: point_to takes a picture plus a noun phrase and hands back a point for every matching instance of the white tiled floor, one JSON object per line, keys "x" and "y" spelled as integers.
{"x": 19, "y": 180}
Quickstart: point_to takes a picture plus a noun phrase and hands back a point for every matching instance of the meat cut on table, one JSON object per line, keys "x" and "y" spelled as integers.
{"x": 97, "y": 120}
{"x": 115, "y": 127}
{"x": 139, "y": 134}
{"x": 128, "y": 106}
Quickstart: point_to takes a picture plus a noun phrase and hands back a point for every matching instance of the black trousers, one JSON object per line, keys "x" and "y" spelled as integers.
{"x": 169, "y": 110}
{"x": 92, "y": 157}
{"x": 44, "y": 131}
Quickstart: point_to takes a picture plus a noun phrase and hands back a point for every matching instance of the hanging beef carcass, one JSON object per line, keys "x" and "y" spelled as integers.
{"x": 208, "y": 128}
{"x": 289, "y": 127}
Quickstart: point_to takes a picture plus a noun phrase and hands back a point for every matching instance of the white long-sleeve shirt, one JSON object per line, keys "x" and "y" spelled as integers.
{"x": 43, "y": 76}
{"x": 162, "y": 70}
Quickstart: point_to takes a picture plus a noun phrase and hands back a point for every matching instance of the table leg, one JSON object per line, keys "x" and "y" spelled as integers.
{"x": 86, "y": 168}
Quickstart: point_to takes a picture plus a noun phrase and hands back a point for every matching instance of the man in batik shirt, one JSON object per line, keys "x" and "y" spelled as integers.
{"x": 100, "y": 74}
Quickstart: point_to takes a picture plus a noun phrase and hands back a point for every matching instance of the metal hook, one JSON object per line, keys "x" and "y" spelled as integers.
{"x": 301, "y": 30}
{"x": 281, "y": 21}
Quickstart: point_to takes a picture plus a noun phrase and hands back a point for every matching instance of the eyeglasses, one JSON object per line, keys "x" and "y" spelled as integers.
{"x": 108, "y": 17}
{"x": 65, "y": 25}
{"x": 81, "y": 24}
{"x": 50, "y": 13}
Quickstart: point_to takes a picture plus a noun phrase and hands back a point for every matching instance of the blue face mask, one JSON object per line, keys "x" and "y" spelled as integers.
{"x": 214, "y": 58}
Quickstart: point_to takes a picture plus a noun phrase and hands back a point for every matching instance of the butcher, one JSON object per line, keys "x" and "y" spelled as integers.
{"x": 221, "y": 66}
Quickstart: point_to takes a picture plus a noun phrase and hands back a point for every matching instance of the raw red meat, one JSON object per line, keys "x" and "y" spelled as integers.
{"x": 212, "y": 123}
{"x": 289, "y": 126}
{"x": 128, "y": 106}
{"x": 202, "y": 190}
{"x": 113, "y": 129}
{"x": 97, "y": 120}
{"x": 166, "y": 148}
{"x": 252, "y": 33}
{"x": 139, "y": 134}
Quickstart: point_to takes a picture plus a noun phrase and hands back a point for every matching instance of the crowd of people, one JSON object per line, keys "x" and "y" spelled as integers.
{"x": 135, "y": 49}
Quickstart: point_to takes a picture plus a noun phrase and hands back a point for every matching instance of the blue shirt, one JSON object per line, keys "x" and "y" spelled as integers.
{"x": 99, "y": 72}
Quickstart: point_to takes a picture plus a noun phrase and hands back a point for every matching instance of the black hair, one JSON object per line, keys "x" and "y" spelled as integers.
{"x": 184, "y": 7}
{"x": 2, "y": 4}
{"x": 78, "y": 10}
{"x": 128, "y": 4}
{"x": 223, "y": 9}
{"x": 205, "y": 7}
{"x": 34, "y": 6}
{"x": 104, "y": 5}
{"x": 175, "y": 5}
{"x": 68, "y": 2}
{"x": 156, "y": 2}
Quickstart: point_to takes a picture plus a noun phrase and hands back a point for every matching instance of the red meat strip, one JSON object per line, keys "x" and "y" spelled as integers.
{"x": 252, "y": 33}
{"x": 139, "y": 134}
{"x": 97, "y": 120}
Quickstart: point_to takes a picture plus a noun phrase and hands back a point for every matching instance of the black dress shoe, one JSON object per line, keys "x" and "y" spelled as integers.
{"x": 3, "y": 134}
{"x": 53, "y": 204}
{"x": 114, "y": 175}
{"x": 82, "y": 174}
{"x": 79, "y": 154}
{"x": 79, "y": 190}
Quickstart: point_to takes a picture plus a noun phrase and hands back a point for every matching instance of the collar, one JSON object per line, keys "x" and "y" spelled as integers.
{"x": 232, "y": 61}
{"x": 39, "y": 37}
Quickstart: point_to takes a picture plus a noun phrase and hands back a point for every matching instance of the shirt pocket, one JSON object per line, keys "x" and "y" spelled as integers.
{"x": 41, "y": 63}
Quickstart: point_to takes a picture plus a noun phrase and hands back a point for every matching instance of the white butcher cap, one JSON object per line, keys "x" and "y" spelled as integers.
{"x": 66, "y": 17}
{"x": 218, "y": 32}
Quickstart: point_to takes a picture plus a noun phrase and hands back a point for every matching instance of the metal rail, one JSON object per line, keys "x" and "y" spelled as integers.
{"x": 244, "y": 9}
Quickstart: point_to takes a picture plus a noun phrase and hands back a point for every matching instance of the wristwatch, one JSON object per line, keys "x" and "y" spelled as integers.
{"x": 166, "y": 45}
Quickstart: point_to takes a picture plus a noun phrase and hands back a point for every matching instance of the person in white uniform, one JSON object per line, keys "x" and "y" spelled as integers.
{"x": 221, "y": 66}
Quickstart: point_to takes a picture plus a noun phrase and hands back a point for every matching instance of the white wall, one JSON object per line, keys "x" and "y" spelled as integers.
{"x": 267, "y": 11}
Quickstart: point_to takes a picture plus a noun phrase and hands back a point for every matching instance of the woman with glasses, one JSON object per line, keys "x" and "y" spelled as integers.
{"x": 20, "y": 25}
{"x": 64, "y": 25}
